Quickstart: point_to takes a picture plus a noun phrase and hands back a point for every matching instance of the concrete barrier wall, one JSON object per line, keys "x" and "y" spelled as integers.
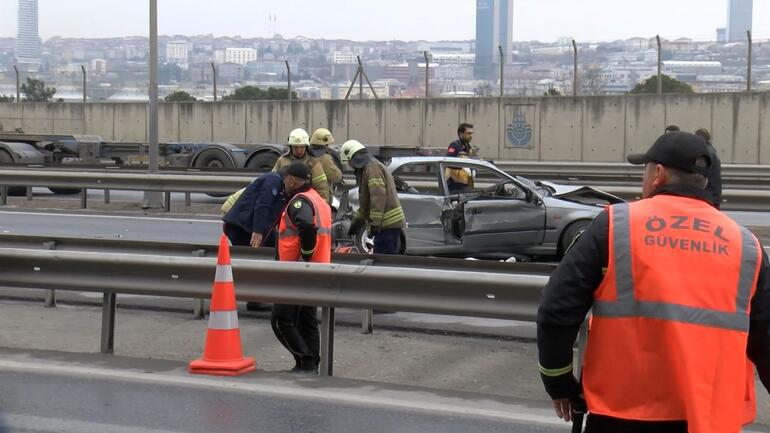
{"x": 593, "y": 128}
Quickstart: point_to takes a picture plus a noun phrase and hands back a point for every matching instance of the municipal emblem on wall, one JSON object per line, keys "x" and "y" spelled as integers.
{"x": 519, "y": 132}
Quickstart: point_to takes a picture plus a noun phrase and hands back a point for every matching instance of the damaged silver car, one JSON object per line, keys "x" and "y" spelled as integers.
{"x": 497, "y": 215}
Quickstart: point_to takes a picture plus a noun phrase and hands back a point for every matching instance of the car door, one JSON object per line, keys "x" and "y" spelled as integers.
{"x": 421, "y": 193}
{"x": 499, "y": 213}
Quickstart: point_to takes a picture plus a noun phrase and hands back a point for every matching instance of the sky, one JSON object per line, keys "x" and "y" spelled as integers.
{"x": 543, "y": 20}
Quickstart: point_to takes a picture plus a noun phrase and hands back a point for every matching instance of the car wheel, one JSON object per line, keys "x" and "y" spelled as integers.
{"x": 571, "y": 234}
{"x": 364, "y": 241}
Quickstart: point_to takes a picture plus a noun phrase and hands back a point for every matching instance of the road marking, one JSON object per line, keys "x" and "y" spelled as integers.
{"x": 512, "y": 412}
{"x": 142, "y": 218}
{"x": 60, "y": 425}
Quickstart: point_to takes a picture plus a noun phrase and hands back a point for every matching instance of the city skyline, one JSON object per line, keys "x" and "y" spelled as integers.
{"x": 447, "y": 19}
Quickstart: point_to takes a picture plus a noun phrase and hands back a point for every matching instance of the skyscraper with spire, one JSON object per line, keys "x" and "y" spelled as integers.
{"x": 27, "y": 51}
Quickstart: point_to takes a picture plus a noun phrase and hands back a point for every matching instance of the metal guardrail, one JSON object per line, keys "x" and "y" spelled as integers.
{"x": 734, "y": 199}
{"x": 447, "y": 286}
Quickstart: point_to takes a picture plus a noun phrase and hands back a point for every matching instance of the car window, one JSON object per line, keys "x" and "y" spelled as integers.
{"x": 418, "y": 178}
{"x": 493, "y": 185}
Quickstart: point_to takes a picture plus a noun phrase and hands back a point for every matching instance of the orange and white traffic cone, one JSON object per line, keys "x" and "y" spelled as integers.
{"x": 223, "y": 355}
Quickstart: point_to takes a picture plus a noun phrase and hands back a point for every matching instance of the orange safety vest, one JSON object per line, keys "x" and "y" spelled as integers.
{"x": 671, "y": 317}
{"x": 289, "y": 247}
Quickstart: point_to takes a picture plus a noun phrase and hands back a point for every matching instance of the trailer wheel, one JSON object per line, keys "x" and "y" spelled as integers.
{"x": 214, "y": 159}
{"x": 262, "y": 161}
{"x": 5, "y": 158}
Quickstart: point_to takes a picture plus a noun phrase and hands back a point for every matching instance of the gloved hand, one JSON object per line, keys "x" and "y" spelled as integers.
{"x": 355, "y": 226}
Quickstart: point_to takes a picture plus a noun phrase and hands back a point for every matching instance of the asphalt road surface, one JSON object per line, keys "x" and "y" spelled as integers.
{"x": 55, "y": 392}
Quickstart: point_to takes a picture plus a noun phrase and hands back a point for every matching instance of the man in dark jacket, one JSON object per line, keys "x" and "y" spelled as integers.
{"x": 714, "y": 187}
{"x": 577, "y": 282}
{"x": 251, "y": 219}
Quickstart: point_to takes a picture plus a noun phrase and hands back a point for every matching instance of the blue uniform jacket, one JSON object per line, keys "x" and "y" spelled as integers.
{"x": 260, "y": 205}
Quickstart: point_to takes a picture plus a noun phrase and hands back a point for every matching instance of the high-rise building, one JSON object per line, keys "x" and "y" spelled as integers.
{"x": 177, "y": 53}
{"x": 721, "y": 35}
{"x": 241, "y": 56}
{"x": 494, "y": 28}
{"x": 27, "y": 39}
{"x": 739, "y": 16}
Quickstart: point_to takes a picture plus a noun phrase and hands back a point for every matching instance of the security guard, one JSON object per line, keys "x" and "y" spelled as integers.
{"x": 681, "y": 302}
{"x": 459, "y": 178}
{"x": 304, "y": 234}
{"x": 319, "y": 143}
{"x": 378, "y": 200}
{"x": 298, "y": 151}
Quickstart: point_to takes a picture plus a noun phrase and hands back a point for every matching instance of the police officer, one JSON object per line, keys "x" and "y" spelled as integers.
{"x": 460, "y": 178}
{"x": 680, "y": 299}
{"x": 319, "y": 143}
{"x": 298, "y": 151}
{"x": 379, "y": 205}
{"x": 304, "y": 234}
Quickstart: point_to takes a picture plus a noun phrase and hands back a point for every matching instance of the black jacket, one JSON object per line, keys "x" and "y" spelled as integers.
{"x": 568, "y": 296}
{"x": 259, "y": 206}
{"x": 714, "y": 187}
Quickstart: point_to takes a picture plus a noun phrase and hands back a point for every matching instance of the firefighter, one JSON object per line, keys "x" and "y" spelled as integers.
{"x": 460, "y": 178}
{"x": 378, "y": 200}
{"x": 680, "y": 299}
{"x": 298, "y": 151}
{"x": 304, "y": 234}
{"x": 319, "y": 143}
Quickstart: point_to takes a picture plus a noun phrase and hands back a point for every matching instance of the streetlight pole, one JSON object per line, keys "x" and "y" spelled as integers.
{"x": 152, "y": 199}
{"x": 502, "y": 70}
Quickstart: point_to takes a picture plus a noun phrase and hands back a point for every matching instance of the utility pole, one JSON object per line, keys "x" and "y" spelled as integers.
{"x": 748, "y": 71}
{"x": 574, "y": 69}
{"x": 427, "y": 74}
{"x": 288, "y": 77}
{"x": 152, "y": 199}
{"x": 214, "y": 76}
{"x": 83, "y": 68}
{"x": 660, "y": 76}
{"x": 502, "y": 70}
{"x": 18, "y": 85}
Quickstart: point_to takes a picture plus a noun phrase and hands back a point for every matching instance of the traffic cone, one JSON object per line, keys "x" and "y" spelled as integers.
{"x": 223, "y": 355}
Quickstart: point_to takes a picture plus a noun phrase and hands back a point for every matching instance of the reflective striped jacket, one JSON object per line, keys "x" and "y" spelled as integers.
{"x": 378, "y": 198}
{"x": 318, "y": 176}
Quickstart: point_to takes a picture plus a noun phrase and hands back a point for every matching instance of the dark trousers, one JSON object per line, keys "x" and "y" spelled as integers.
{"x": 296, "y": 327}
{"x": 238, "y": 236}
{"x": 241, "y": 238}
{"x": 605, "y": 424}
{"x": 388, "y": 242}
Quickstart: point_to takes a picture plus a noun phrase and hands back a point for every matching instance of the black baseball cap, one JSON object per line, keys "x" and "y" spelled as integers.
{"x": 679, "y": 150}
{"x": 299, "y": 170}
